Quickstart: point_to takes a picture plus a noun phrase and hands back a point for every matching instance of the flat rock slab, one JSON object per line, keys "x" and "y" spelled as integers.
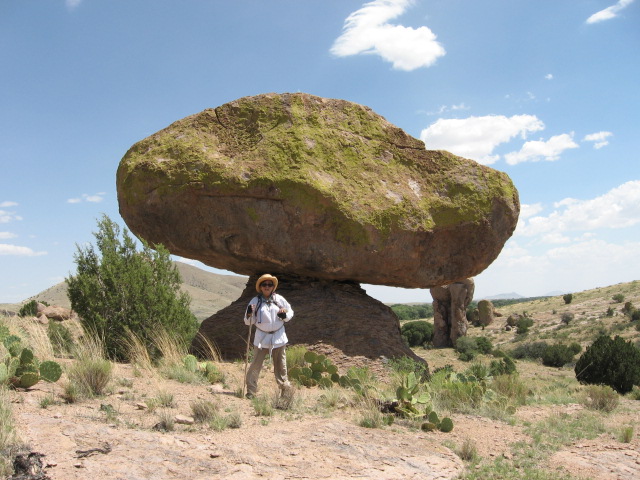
{"x": 322, "y": 188}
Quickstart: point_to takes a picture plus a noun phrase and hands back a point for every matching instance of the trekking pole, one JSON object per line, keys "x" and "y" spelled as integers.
{"x": 246, "y": 358}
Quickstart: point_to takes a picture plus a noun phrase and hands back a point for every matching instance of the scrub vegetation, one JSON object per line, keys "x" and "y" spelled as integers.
{"x": 542, "y": 412}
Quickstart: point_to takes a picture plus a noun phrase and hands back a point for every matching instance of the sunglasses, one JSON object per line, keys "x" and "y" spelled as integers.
{"x": 265, "y": 284}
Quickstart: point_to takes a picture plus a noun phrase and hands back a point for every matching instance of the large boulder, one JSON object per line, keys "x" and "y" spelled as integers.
{"x": 317, "y": 187}
{"x": 338, "y": 319}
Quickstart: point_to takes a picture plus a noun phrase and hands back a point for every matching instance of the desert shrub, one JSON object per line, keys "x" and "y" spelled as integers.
{"x": 618, "y": 298}
{"x": 118, "y": 288}
{"x": 467, "y": 348}
{"x": 635, "y": 315}
{"x": 575, "y": 348}
{"x": 567, "y": 317}
{"x": 203, "y": 410}
{"x": 60, "y": 337}
{"x": 417, "y": 332}
{"x": 567, "y": 298}
{"x": 295, "y": 356}
{"x": 557, "y": 355}
{"x": 531, "y": 350}
{"x": 29, "y": 309}
{"x": 484, "y": 345}
{"x": 610, "y": 312}
{"x": 405, "y": 365}
{"x": 523, "y": 324}
{"x": 601, "y": 397}
{"x": 504, "y": 366}
{"x": 610, "y": 362}
{"x": 628, "y": 308}
{"x": 511, "y": 387}
{"x": 90, "y": 373}
{"x": 412, "y": 312}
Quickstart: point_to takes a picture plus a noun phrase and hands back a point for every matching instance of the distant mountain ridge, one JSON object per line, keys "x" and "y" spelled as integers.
{"x": 505, "y": 296}
{"x": 209, "y": 291}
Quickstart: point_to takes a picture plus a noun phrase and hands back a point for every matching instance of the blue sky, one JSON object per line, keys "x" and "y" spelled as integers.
{"x": 545, "y": 90}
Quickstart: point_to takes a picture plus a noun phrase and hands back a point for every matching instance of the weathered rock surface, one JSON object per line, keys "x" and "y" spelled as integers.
{"x": 327, "y": 189}
{"x": 486, "y": 312}
{"x": 450, "y": 304}
{"x": 328, "y": 316}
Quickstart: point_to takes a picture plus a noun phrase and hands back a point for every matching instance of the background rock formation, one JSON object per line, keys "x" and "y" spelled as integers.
{"x": 450, "y": 304}
{"x": 328, "y": 316}
{"x": 322, "y": 188}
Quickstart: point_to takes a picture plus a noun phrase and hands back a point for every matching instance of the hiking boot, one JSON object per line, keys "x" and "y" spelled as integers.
{"x": 250, "y": 395}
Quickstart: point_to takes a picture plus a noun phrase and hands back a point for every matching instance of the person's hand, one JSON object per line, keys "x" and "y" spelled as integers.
{"x": 282, "y": 313}
{"x": 250, "y": 309}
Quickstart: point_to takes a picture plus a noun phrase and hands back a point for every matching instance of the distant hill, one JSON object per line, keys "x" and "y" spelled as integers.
{"x": 209, "y": 291}
{"x": 505, "y": 296}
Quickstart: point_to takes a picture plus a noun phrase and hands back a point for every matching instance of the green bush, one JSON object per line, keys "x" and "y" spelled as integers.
{"x": 610, "y": 362}
{"x": 618, "y": 298}
{"x": 121, "y": 289}
{"x": 467, "y": 348}
{"x": 566, "y": 317}
{"x": 504, "y": 366}
{"x": 557, "y": 355}
{"x": 567, "y": 298}
{"x": 523, "y": 324}
{"x": 575, "y": 348}
{"x": 484, "y": 345}
{"x": 412, "y": 312}
{"x": 417, "y": 332}
{"x": 29, "y": 309}
{"x": 532, "y": 350}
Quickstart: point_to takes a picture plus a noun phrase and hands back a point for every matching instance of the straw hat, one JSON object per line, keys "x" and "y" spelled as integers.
{"x": 267, "y": 276}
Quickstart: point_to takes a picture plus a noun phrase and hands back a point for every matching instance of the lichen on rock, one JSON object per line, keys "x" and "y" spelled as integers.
{"x": 319, "y": 187}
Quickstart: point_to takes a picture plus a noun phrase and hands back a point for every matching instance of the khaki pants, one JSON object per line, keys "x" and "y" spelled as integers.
{"x": 279, "y": 356}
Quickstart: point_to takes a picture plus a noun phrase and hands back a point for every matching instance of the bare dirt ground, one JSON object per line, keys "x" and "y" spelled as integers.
{"x": 85, "y": 441}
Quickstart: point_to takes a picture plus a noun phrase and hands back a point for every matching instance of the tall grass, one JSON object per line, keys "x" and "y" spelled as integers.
{"x": 91, "y": 372}
{"x": 9, "y": 442}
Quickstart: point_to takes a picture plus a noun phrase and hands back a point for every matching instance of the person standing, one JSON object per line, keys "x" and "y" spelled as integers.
{"x": 268, "y": 311}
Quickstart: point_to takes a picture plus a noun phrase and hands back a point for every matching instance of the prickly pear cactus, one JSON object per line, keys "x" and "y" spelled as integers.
{"x": 28, "y": 379}
{"x": 4, "y": 374}
{"x": 190, "y": 363}
{"x": 50, "y": 371}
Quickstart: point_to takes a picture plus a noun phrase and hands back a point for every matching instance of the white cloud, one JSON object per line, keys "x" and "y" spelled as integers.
{"x": 618, "y": 208}
{"x": 527, "y": 211}
{"x": 537, "y": 150}
{"x": 600, "y": 139}
{"x": 548, "y": 76}
{"x": 6, "y": 217}
{"x": 477, "y": 137}
{"x": 7, "y": 235}
{"x": 15, "y": 250}
{"x": 71, "y": 4}
{"x": 367, "y": 31}
{"x": 609, "y": 12}
{"x": 571, "y": 267}
{"x": 97, "y": 198}
{"x": 8, "y": 204}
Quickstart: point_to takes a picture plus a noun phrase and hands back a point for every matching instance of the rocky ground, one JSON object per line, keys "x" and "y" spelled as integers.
{"x": 114, "y": 438}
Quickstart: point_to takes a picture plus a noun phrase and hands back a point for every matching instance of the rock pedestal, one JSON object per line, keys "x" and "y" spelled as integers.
{"x": 450, "y": 304}
{"x": 339, "y": 315}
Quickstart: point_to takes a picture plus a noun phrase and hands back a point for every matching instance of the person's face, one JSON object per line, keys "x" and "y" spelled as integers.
{"x": 266, "y": 287}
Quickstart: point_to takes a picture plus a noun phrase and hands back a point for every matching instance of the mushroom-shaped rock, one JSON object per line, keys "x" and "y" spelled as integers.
{"x": 322, "y": 188}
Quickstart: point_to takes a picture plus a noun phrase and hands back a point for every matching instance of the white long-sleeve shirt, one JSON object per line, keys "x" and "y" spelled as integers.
{"x": 270, "y": 332}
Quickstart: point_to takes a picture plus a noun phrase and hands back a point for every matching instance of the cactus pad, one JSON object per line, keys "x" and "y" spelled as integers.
{"x": 50, "y": 371}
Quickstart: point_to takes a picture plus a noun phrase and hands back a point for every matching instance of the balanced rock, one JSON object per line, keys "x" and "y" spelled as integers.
{"x": 321, "y": 188}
